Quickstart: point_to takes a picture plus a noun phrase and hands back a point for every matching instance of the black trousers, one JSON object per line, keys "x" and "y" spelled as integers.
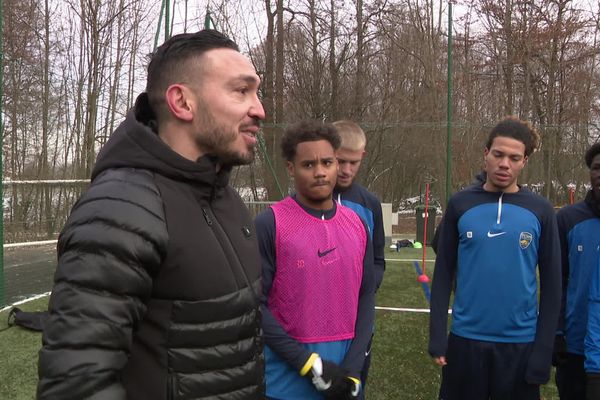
{"x": 570, "y": 377}
{"x": 479, "y": 370}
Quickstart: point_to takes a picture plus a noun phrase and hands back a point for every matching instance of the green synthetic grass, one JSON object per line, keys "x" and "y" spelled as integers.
{"x": 400, "y": 368}
{"x": 19, "y": 349}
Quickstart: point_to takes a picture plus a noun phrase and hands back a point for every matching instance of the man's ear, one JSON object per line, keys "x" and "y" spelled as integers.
{"x": 178, "y": 99}
{"x": 290, "y": 168}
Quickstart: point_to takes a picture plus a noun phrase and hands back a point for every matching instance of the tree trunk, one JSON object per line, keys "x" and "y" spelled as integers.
{"x": 359, "y": 82}
{"x": 333, "y": 73}
{"x": 508, "y": 66}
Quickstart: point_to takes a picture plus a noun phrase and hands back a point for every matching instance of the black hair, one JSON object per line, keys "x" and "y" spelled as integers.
{"x": 168, "y": 63}
{"x": 307, "y": 131}
{"x": 515, "y": 128}
{"x": 592, "y": 152}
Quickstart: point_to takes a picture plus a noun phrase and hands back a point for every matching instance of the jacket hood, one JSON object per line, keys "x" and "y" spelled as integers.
{"x": 134, "y": 144}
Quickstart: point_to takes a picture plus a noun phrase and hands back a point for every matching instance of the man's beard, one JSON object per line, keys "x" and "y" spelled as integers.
{"x": 216, "y": 140}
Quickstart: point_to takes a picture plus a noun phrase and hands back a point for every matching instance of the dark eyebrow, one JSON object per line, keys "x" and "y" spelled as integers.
{"x": 250, "y": 79}
{"x": 497, "y": 152}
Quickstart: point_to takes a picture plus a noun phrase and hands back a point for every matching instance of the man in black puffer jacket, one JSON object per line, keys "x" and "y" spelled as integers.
{"x": 155, "y": 295}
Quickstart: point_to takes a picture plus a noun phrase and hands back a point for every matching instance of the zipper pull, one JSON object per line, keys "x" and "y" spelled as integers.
{"x": 207, "y": 217}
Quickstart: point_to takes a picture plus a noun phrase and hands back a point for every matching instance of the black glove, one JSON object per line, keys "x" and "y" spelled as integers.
{"x": 592, "y": 388}
{"x": 329, "y": 379}
{"x": 559, "y": 352}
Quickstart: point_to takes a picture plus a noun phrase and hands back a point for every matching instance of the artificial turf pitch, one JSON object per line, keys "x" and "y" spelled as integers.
{"x": 400, "y": 367}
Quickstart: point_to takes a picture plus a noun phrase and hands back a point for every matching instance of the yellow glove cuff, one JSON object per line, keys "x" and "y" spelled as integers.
{"x": 309, "y": 363}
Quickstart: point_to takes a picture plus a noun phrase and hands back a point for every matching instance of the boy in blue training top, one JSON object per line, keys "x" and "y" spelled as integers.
{"x": 579, "y": 230}
{"x": 592, "y": 337}
{"x": 494, "y": 235}
{"x": 350, "y": 194}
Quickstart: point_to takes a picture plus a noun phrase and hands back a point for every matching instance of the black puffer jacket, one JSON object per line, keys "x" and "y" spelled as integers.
{"x": 155, "y": 295}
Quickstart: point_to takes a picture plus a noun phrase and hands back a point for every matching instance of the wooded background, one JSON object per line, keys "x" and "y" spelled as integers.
{"x": 72, "y": 68}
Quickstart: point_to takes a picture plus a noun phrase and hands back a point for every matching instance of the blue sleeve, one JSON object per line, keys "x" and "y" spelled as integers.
{"x": 443, "y": 277}
{"x": 563, "y": 231}
{"x": 539, "y": 363}
{"x": 355, "y": 357}
{"x": 592, "y": 337}
{"x": 378, "y": 243}
{"x": 275, "y": 336}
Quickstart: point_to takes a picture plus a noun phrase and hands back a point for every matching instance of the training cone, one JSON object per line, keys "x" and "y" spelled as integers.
{"x": 417, "y": 245}
{"x": 423, "y": 278}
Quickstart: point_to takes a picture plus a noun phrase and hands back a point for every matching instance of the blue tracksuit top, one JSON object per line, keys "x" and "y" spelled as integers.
{"x": 579, "y": 230}
{"x": 491, "y": 243}
{"x": 592, "y": 338}
{"x": 368, "y": 207}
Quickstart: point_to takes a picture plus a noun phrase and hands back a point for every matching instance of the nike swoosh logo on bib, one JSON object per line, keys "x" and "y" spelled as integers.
{"x": 323, "y": 254}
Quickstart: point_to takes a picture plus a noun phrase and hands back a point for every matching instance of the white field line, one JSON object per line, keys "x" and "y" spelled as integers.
{"x": 413, "y": 310}
{"x": 27, "y": 244}
{"x": 397, "y": 309}
{"x": 408, "y": 259}
{"x": 39, "y": 296}
{"x": 44, "y": 182}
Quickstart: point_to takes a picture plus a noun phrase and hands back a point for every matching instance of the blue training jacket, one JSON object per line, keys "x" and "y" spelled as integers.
{"x": 592, "y": 338}
{"x": 591, "y": 268}
{"x": 579, "y": 229}
{"x": 491, "y": 243}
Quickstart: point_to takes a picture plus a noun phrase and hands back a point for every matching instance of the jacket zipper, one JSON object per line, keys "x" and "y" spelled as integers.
{"x": 171, "y": 387}
{"x": 224, "y": 239}
{"x": 207, "y": 217}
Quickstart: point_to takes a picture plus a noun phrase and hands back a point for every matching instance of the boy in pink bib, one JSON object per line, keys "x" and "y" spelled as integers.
{"x": 318, "y": 280}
